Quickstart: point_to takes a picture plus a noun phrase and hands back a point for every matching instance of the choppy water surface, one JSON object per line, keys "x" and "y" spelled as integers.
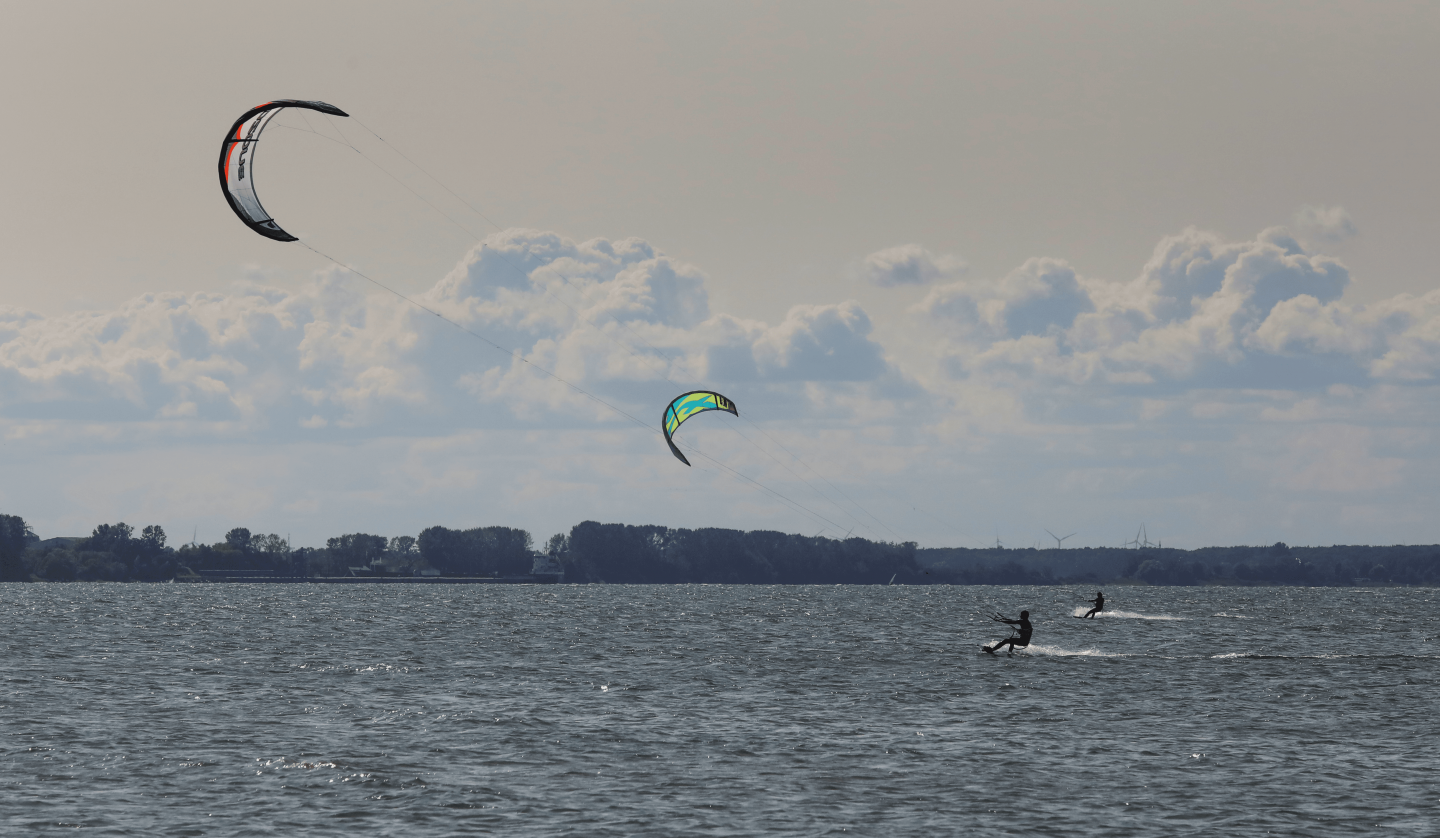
{"x": 710, "y": 710}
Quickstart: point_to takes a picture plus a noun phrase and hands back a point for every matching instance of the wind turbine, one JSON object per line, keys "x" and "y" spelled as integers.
{"x": 1146, "y": 536}
{"x": 1058, "y": 540}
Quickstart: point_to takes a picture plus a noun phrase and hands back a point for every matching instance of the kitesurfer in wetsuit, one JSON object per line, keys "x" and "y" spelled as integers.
{"x": 1099, "y": 601}
{"x": 1014, "y": 641}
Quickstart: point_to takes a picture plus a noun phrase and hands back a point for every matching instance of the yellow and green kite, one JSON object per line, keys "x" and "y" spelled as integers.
{"x": 687, "y": 405}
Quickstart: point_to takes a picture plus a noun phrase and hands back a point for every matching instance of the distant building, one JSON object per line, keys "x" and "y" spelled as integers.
{"x": 375, "y": 568}
{"x": 546, "y": 568}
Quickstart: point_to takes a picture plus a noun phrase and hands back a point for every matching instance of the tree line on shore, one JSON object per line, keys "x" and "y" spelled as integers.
{"x": 115, "y": 553}
{"x": 628, "y": 554}
{"x": 590, "y": 552}
{"x": 621, "y": 553}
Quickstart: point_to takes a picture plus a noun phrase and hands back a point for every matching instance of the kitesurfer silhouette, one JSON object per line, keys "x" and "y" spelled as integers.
{"x": 1099, "y": 601}
{"x": 1014, "y": 641}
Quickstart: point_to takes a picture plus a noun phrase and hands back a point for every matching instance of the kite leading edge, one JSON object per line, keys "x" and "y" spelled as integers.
{"x": 237, "y": 163}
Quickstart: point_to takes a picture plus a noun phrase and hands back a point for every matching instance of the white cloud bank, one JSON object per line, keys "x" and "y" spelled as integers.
{"x": 1202, "y": 311}
{"x": 265, "y": 361}
{"x": 1227, "y": 393}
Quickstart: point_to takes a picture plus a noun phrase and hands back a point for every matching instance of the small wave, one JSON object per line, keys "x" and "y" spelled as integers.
{"x": 352, "y": 669}
{"x": 1125, "y": 615}
{"x": 286, "y": 762}
{"x": 1234, "y": 616}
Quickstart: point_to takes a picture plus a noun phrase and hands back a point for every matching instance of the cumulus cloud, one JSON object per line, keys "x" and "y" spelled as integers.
{"x": 909, "y": 264}
{"x": 820, "y": 343}
{"x": 1040, "y": 297}
{"x": 1408, "y": 328}
{"x": 1325, "y": 224}
{"x": 613, "y": 317}
{"x": 1202, "y": 310}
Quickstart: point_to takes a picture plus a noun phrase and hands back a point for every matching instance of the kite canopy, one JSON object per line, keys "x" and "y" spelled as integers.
{"x": 237, "y": 163}
{"x": 687, "y": 405}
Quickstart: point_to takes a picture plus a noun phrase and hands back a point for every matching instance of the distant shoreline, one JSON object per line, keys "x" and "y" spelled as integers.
{"x": 1244, "y": 566}
{"x": 592, "y": 552}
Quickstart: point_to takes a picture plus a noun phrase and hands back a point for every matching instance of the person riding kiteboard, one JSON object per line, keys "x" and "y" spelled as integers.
{"x": 1019, "y": 640}
{"x": 1099, "y": 602}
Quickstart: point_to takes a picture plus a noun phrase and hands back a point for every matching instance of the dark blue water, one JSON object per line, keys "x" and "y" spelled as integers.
{"x": 712, "y": 710}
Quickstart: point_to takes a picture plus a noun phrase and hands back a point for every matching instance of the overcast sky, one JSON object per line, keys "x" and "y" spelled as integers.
{"x": 969, "y": 270}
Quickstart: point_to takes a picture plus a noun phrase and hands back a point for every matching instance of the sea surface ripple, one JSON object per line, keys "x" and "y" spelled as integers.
{"x": 603, "y": 710}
